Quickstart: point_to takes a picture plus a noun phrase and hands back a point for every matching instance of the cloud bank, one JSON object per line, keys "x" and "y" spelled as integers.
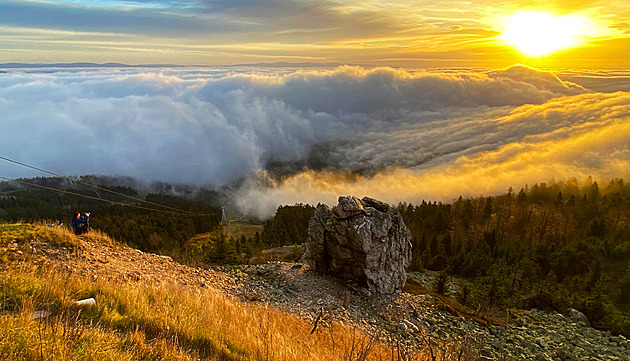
{"x": 310, "y": 136}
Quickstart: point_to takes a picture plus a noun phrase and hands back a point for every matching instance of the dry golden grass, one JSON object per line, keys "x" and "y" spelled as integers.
{"x": 159, "y": 323}
{"x": 237, "y": 229}
{"x": 135, "y": 322}
{"x": 25, "y": 232}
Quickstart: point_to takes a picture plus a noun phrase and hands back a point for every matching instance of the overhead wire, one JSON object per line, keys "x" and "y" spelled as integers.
{"x": 92, "y": 185}
{"x": 174, "y": 210}
{"x": 100, "y": 199}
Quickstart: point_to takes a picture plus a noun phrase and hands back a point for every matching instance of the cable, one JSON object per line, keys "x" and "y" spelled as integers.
{"x": 104, "y": 200}
{"x": 94, "y": 186}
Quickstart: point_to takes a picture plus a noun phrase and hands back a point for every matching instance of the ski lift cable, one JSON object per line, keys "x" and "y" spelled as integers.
{"x": 101, "y": 199}
{"x": 95, "y": 186}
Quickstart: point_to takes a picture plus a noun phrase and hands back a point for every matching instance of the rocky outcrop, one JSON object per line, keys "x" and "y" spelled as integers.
{"x": 578, "y": 317}
{"x": 362, "y": 240}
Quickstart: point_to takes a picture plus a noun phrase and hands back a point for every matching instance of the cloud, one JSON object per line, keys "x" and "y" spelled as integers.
{"x": 597, "y": 143}
{"x": 109, "y": 19}
{"x": 605, "y": 81}
{"x": 311, "y": 135}
{"x": 227, "y": 21}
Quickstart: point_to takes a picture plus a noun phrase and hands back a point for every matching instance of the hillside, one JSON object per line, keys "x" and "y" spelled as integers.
{"x": 151, "y": 307}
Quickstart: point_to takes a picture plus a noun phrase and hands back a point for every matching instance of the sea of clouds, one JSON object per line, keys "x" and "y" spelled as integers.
{"x": 310, "y": 135}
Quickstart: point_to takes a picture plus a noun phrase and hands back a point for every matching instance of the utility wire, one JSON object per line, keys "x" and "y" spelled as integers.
{"x": 101, "y": 199}
{"x": 94, "y": 186}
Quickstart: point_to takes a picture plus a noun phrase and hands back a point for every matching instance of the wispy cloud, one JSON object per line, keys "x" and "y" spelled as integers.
{"x": 405, "y": 33}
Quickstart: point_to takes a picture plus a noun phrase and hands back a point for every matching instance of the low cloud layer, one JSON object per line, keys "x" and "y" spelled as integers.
{"x": 310, "y": 136}
{"x": 592, "y": 141}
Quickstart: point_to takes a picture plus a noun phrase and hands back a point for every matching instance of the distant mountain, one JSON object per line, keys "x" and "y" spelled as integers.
{"x": 281, "y": 64}
{"x": 284, "y": 64}
{"x": 79, "y": 65}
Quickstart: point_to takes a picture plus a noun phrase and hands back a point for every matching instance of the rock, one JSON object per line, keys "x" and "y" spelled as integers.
{"x": 578, "y": 317}
{"x": 543, "y": 357}
{"x": 85, "y": 302}
{"x": 135, "y": 276}
{"x": 44, "y": 311}
{"x": 366, "y": 292}
{"x": 542, "y": 343}
{"x": 362, "y": 240}
{"x": 407, "y": 326}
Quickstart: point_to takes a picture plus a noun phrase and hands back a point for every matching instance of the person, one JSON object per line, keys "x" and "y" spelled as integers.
{"x": 80, "y": 223}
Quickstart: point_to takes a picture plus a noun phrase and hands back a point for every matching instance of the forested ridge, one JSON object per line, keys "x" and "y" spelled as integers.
{"x": 548, "y": 246}
{"x": 132, "y": 222}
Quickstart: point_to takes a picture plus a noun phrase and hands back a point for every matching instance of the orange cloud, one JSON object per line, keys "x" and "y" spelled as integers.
{"x": 596, "y": 142}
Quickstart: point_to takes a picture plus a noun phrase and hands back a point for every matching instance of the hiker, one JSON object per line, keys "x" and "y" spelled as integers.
{"x": 80, "y": 223}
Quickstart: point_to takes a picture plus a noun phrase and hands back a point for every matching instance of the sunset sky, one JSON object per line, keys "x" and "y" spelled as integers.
{"x": 360, "y": 32}
{"x": 414, "y": 99}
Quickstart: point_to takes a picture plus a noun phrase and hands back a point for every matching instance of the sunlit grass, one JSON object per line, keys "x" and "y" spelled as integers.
{"x": 136, "y": 322}
{"x": 238, "y": 229}
{"x": 39, "y": 321}
{"x": 25, "y": 232}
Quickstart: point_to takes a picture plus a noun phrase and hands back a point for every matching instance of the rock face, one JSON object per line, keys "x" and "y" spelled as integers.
{"x": 578, "y": 317}
{"x": 362, "y": 240}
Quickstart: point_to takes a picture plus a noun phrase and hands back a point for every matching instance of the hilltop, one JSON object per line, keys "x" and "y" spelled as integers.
{"x": 150, "y": 307}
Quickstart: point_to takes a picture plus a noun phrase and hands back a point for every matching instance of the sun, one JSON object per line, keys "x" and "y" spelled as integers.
{"x": 537, "y": 34}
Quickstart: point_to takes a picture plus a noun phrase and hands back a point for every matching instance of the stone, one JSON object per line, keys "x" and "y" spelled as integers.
{"x": 408, "y": 326}
{"x": 542, "y": 343}
{"x": 543, "y": 357}
{"x": 361, "y": 240}
{"x": 578, "y": 317}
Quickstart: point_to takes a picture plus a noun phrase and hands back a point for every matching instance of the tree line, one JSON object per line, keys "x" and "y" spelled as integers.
{"x": 548, "y": 246}
{"x": 150, "y": 231}
{"x": 189, "y": 238}
{"x": 289, "y": 226}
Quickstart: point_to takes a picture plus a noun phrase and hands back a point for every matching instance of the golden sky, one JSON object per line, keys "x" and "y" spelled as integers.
{"x": 426, "y": 99}
{"x": 415, "y": 34}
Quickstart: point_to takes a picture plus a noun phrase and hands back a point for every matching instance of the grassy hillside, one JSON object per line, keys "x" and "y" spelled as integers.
{"x": 238, "y": 229}
{"x": 134, "y": 321}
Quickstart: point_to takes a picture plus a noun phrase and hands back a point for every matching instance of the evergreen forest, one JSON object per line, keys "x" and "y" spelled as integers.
{"x": 550, "y": 246}
{"x": 132, "y": 222}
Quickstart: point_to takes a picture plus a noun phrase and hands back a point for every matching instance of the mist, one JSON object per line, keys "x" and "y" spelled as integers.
{"x": 287, "y": 136}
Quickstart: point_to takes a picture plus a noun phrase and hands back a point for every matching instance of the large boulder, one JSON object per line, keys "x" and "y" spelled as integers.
{"x": 578, "y": 317}
{"x": 362, "y": 240}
